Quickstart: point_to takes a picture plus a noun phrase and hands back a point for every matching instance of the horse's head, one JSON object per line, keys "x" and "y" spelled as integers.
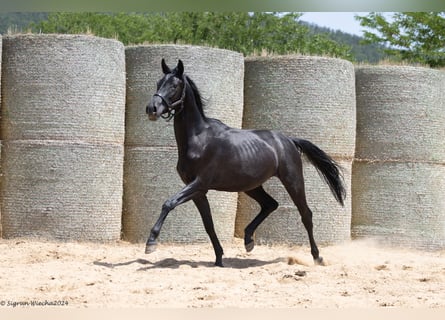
{"x": 170, "y": 93}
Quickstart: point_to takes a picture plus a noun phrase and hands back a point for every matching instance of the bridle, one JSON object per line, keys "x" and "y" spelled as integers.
{"x": 172, "y": 108}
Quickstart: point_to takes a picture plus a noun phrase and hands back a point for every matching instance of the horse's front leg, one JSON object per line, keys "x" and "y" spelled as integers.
{"x": 188, "y": 192}
{"x": 204, "y": 209}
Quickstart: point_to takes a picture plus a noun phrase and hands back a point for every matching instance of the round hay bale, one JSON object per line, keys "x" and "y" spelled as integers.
{"x": 150, "y": 176}
{"x": 149, "y": 182}
{"x": 399, "y": 175}
{"x": 217, "y": 73}
{"x": 399, "y": 203}
{"x": 63, "y": 118}
{"x": 400, "y": 113}
{"x": 62, "y": 190}
{"x": 312, "y": 98}
{"x": 303, "y": 96}
{"x": 63, "y": 87}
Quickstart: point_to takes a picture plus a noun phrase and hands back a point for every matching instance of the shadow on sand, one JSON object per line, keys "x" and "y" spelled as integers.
{"x": 171, "y": 263}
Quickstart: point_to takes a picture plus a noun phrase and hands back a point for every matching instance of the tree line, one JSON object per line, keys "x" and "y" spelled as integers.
{"x": 412, "y": 37}
{"x": 248, "y": 33}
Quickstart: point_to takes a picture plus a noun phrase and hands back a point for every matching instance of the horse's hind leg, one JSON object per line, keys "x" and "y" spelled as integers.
{"x": 203, "y": 206}
{"x": 295, "y": 188}
{"x": 268, "y": 204}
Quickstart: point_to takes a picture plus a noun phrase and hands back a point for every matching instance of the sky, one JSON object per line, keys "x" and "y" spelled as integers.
{"x": 343, "y": 21}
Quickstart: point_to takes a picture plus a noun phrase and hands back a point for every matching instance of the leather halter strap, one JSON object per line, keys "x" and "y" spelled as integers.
{"x": 172, "y": 108}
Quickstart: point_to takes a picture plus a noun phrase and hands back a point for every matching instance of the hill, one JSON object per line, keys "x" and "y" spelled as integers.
{"x": 19, "y": 20}
{"x": 361, "y": 52}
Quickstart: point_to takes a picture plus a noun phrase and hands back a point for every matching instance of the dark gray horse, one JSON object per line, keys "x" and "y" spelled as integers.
{"x": 212, "y": 155}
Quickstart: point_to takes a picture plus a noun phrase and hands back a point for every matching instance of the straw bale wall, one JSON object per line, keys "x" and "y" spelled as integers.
{"x": 150, "y": 147}
{"x": 63, "y": 132}
{"x": 69, "y": 102}
{"x": 311, "y": 98}
{"x": 399, "y": 177}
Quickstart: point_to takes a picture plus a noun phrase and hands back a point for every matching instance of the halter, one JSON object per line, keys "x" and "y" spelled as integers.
{"x": 172, "y": 109}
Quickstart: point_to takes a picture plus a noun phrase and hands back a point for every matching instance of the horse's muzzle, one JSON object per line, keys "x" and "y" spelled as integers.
{"x": 151, "y": 111}
{"x": 155, "y": 109}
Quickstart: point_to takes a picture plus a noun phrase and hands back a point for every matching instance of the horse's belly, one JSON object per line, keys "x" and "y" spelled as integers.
{"x": 244, "y": 175}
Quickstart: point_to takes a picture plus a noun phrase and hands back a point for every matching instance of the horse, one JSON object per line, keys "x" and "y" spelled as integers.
{"x": 214, "y": 156}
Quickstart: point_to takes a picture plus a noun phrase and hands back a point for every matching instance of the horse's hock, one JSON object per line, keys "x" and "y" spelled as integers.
{"x": 399, "y": 172}
{"x": 311, "y": 98}
{"x": 150, "y": 175}
{"x": 63, "y": 132}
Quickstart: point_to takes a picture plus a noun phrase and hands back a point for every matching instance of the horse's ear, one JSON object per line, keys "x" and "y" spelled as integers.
{"x": 180, "y": 68}
{"x": 165, "y": 68}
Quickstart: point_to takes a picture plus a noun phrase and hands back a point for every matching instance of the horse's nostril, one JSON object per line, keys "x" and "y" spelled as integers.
{"x": 150, "y": 109}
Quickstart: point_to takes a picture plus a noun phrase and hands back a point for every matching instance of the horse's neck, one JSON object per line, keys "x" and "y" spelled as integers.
{"x": 188, "y": 123}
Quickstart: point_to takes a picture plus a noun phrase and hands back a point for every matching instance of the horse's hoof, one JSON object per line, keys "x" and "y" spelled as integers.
{"x": 249, "y": 246}
{"x": 150, "y": 247}
{"x": 219, "y": 263}
{"x": 319, "y": 261}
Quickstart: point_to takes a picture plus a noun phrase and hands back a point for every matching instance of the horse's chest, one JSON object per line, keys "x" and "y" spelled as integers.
{"x": 194, "y": 154}
{"x": 188, "y": 162}
{"x": 196, "y": 148}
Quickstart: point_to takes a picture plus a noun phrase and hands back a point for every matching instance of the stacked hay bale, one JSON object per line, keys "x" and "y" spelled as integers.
{"x": 150, "y": 147}
{"x": 399, "y": 173}
{"x": 311, "y": 98}
{"x": 63, "y": 133}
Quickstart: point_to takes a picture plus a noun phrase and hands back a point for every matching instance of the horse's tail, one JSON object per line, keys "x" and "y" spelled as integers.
{"x": 326, "y": 167}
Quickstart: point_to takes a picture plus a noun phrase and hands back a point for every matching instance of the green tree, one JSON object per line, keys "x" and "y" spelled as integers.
{"x": 244, "y": 32}
{"x": 411, "y": 36}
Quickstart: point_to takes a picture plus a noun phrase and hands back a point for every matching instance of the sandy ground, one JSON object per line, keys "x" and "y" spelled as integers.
{"x": 357, "y": 274}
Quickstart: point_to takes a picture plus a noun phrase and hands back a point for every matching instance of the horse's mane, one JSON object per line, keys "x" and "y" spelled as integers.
{"x": 198, "y": 98}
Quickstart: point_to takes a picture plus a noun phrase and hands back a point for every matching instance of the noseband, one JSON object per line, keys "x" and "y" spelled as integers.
{"x": 172, "y": 108}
